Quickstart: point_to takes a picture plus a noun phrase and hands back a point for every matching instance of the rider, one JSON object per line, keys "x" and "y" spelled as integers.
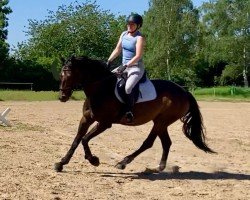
{"x": 131, "y": 45}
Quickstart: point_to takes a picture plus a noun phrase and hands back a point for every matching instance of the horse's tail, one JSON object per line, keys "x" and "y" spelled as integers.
{"x": 193, "y": 126}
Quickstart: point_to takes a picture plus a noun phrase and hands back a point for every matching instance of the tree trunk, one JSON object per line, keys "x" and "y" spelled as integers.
{"x": 245, "y": 70}
{"x": 245, "y": 78}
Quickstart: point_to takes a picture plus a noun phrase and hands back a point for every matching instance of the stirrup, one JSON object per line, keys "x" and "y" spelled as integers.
{"x": 129, "y": 117}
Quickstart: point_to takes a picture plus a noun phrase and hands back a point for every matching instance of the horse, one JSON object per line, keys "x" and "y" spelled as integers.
{"x": 102, "y": 106}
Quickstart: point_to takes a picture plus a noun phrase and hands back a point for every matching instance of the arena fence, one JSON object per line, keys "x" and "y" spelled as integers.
{"x": 11, "y": 85}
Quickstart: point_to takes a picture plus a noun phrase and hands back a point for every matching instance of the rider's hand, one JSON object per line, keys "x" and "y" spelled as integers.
{"x": 121, "y": 68}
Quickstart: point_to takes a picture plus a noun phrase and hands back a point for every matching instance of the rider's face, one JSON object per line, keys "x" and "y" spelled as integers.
{"x": 131, "y": 26}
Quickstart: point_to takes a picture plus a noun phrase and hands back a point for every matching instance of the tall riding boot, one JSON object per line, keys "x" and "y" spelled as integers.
{"x": 130, "y": 101}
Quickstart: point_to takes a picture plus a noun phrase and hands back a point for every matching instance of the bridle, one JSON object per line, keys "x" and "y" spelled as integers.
{"x": 67, "y": 88}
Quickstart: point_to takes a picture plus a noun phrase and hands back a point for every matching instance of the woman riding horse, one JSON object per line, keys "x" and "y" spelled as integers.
{"x": 131, "y": 44}
{"x": 102, "y": 106}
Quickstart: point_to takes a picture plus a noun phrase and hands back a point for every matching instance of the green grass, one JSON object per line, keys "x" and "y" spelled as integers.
{"x": 207, "y": 94}
{"x": 223, "y": 93}
{"x": 24, "y": 95}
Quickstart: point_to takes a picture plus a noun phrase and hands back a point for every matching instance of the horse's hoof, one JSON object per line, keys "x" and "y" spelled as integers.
{"x": 58, "y": 167}
{"x": 120, "y": 166}
{"x": 151, "y": 171}
{"x": 94, "y": 161}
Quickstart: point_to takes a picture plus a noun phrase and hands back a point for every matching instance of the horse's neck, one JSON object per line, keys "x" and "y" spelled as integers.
{"x": 101, "y": 87}
{"x": 98, "y": 80}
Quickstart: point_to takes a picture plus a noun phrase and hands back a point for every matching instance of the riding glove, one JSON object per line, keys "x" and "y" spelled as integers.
{"x": 121, "y": 68}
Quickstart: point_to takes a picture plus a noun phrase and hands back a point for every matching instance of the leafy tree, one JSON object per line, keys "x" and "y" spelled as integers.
{"x": 227, "y": 38}
{"x": 4, "y": 48}
{"x": 231, "y": 75}
{"x": 28, "y": 71}
{"x": 170, "y": 28}
{"x": 79, "y": 29}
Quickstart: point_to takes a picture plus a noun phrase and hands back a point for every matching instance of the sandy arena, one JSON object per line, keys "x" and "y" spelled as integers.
{"x": 42, "y": 132}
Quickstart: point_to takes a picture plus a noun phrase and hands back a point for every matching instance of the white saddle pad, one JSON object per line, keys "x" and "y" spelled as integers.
{"x": 147, "y": 92}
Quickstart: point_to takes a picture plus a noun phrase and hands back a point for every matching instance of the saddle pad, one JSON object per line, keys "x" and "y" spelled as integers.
{"x": 147, "y": 92}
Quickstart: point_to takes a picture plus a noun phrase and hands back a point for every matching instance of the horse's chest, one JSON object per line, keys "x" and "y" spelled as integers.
{"x": 104, "y": 108}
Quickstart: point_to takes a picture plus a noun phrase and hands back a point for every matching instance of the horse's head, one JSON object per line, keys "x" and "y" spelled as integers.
{"x": 82, "y": 71}
{"x": 69, "y": 79}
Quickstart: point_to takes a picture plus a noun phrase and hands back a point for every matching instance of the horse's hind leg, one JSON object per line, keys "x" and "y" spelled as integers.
{"x": 85, "y": 122}
{"x": 96, "y": 130}
{"x": 148, "y": 143}
{"x": 160, "y": 130}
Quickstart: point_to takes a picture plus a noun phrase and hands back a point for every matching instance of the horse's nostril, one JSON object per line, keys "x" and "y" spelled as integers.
{"x": 63, "y": 97}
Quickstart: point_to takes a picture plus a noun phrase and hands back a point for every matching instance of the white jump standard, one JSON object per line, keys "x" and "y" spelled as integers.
{"x": 3, "y": 117}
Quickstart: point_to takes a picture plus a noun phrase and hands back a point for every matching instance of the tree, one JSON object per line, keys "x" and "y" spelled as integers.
{"x": 79, "y": 29}
{"x": 170, "y": 28}
{"x": 231, "y": 75}
{"x": 4, "y": 48}
{"x": 227, "y": 38}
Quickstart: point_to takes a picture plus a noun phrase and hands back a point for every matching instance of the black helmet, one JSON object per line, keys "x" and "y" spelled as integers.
{"x": 135, "y": 18}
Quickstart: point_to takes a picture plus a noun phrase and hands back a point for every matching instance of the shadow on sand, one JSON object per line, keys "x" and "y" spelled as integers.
{"x": 192, "y": 175}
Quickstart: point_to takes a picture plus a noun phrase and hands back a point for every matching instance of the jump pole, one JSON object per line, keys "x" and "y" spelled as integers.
{"x": 3, "y": 117}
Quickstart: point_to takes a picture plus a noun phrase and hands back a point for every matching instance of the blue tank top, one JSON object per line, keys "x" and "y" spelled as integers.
{"x": 129, "y": 46}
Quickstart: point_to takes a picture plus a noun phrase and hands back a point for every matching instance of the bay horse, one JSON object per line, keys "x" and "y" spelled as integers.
{"x": 102, "y": 106}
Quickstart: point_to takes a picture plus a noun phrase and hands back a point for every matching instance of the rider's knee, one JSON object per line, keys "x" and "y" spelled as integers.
{"x": 128, "y": 90}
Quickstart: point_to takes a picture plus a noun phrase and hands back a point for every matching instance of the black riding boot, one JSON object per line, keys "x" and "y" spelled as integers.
{"x": 130, "y": 101}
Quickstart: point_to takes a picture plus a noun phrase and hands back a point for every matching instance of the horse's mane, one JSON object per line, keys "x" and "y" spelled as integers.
{"x": 93, "y": 62}
{"x": 92, "y": 66}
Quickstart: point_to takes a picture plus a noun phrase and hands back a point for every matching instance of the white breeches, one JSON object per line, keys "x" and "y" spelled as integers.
{"x": 135, "y": 73}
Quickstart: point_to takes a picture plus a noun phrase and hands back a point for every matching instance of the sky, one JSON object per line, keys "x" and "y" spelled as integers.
{"x": 38, "y": 10}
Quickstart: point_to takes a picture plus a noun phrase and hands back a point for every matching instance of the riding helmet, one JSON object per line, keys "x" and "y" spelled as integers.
{"x": 135, "y": 18}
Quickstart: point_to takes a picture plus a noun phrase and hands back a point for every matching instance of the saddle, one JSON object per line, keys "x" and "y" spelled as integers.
{"x": 143, "y": 91}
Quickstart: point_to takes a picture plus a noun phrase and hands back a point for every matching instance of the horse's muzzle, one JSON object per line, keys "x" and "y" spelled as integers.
{"x": 64, "y": 95}
{"x": 63, "y": 98}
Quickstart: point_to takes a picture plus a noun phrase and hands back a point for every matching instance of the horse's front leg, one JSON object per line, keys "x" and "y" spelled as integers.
{"x": 166, "y": 143}
{"x": 85, "y": 122}
{"x": 96, "y": 130}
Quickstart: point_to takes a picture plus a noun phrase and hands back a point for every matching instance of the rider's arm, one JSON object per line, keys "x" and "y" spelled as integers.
{"x": 139, "y": 51}
{"x": 117, "y": 51}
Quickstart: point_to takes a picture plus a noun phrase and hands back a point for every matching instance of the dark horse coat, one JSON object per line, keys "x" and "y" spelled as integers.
{"x": 102, "y": 106}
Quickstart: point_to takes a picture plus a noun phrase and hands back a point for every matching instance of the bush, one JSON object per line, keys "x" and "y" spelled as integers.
{"x": 231, "y": 75}
{"x": 28, "y": 71}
